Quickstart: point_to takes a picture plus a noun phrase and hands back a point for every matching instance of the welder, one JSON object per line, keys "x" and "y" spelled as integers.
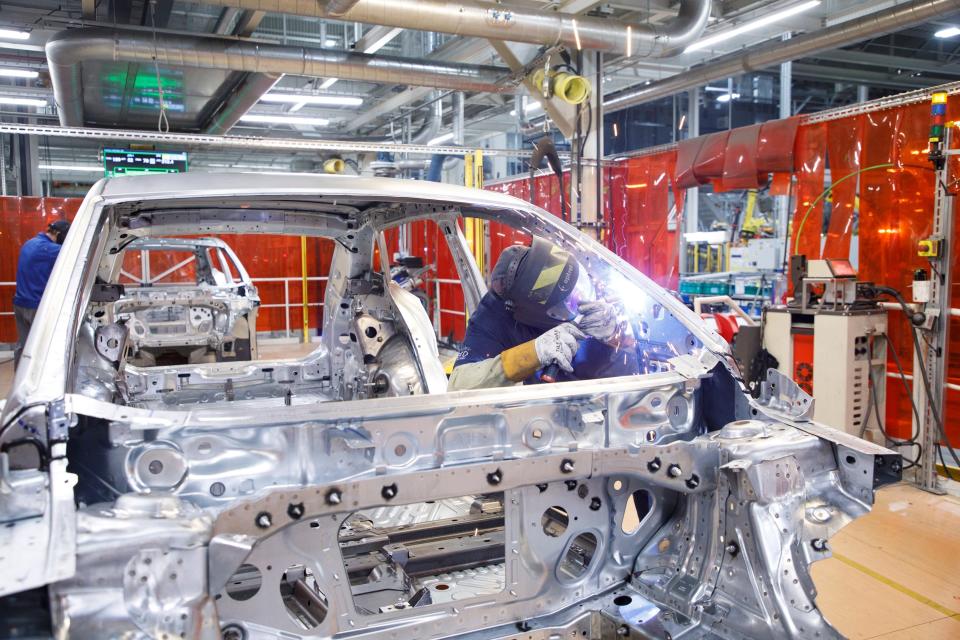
{"x": 34, "y": 265}
{"x": 540, "y": 321}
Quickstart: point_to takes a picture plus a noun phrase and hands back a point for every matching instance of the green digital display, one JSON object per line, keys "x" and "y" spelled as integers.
{"x": 127, "y": 162}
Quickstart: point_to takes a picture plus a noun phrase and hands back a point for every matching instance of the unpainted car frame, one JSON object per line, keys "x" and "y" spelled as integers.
{"x": 212, "y": 319}
{"x": 137, "y": 510}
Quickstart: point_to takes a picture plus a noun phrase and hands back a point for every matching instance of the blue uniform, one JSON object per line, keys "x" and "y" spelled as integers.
{"x": 492, "y": 330}
{"x": 37, "y": 257}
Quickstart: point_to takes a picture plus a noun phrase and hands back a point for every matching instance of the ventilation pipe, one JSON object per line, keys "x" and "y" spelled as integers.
{"x": 503, "y": 22}
{"x": 67, "y": 50}
{"x": 776, "y": 52}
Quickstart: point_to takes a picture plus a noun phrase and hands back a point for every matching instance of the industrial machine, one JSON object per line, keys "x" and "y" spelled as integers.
{"x": 831, "y": 339}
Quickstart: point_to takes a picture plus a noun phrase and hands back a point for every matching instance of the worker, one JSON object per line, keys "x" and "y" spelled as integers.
{"x": 37, "y": 257}
{"x": 540, "y": 310}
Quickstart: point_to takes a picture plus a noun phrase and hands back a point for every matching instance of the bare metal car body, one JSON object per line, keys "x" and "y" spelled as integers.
{"x": 348, "y": 494}
{"x": 212, "y": 318}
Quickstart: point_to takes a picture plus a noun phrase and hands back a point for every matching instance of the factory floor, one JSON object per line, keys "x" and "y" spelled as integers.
{"x": 895, "y": 573}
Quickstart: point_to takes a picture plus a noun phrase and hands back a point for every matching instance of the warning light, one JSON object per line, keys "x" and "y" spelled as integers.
{"x": 938, "y": 120}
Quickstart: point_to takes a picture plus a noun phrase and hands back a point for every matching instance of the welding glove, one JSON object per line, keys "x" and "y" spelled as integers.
{"x": 559, "y": 345}
{"x": 599, "y": 320}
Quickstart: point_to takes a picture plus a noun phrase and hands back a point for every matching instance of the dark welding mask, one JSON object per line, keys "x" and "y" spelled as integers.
{"x": 59, "y": 230}
{"x": 548, "y": 286}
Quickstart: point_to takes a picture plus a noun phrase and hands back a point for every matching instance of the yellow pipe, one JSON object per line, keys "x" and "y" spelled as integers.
{"x": 303, "y": 275}
{"x": 334, "y": 165}
{"x": 568, "y": 87}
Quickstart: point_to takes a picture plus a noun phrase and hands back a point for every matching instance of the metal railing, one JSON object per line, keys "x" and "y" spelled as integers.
{"x": 286, "y": 305}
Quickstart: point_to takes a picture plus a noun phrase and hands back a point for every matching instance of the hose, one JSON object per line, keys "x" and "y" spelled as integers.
{"x": 917, "y": 319}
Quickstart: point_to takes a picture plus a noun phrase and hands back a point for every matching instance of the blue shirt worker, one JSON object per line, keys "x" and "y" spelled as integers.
{"x": 540, "y": 322}
{"x": 37, "y": 257}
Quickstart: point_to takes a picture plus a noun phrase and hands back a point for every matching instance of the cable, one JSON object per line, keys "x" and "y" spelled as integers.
{"x": 806, "y": 214}
{"x": 915, "y": 320}
{"x": 163, "y": 125}
{"x": 875, "y": 404}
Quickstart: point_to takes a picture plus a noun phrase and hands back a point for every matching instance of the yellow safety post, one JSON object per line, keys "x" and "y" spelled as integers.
{"x": 303, "y": 275}
{"x": 479, "y": 227}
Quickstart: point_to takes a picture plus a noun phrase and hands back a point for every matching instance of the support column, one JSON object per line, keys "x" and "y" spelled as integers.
{"x": 691, "y": 216}
{"x": 28, "y": 157}
{"x": 782, "y": 206}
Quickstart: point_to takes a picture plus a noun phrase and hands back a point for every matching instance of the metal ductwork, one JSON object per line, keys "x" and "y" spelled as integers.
{"x": 503, "y": 22}
{"x": 238, "y": 103}
{"x": 67, "y": 50}
{"x": 777, "y": 52}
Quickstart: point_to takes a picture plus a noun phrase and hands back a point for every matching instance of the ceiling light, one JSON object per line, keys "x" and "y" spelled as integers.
{"x": 949, "y": 32}
{"x": 576, "y": 34}
{"x": 683, "y": 121}
{"x": 293, "y": 98}
{"x": 18, "y": 73}
{"x": 532, "y": 105}
{"x": 23, "y": 102}
{"x": 268, "y": 119}
{"x": 373, "y": 47}
{"x": 14, "y": 34}
{"x": 447, "y": 137}
{"x": 752, "y": 25}
{"x": 616, "y": 130}
{"x": 727, "y": 97}
{"x": 330, "y": 42}
{"x": 70, "y": 167}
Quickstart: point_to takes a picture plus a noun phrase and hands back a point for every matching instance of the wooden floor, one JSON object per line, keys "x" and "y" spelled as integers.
{"x": 895, "y": 572}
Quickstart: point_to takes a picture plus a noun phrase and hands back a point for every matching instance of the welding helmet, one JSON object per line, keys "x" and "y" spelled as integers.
{"x": 59, "y": 230}
{"x": 543, "y": 285}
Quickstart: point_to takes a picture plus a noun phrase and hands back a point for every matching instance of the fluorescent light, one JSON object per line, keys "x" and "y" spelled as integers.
{"x": 752, "y": 25}
{"x": 330, "y": 42}
{"x": 70, "y": 167}
{"x": 727, "y": 97}
{"x": 576, "y": 34}
{"x": 616, "y": 130}
{"x": 268, "y": 119}
{"x": 14, "y": 34}
{"x": 294, "y": 98}
{"x": 629, "y": 40}
{"x": 532, "y": 105}
{"x": 683, "y": 121}
{"x": 23, "y": 102}
{"x": 447, "y": 137}
{"x": 373, "y": 47}
{"x": 949, "y": 32}
{"x": 18, "y": 73}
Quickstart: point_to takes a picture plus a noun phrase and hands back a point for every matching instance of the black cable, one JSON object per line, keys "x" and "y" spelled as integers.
{"x": 917, "y": 319}
{"x": 32, "y": 441}
{"x": 912, "y": 441}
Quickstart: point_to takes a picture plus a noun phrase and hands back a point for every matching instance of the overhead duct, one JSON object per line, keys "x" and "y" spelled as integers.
{"x": 230, "y": 111}
{"x": 840, "y": 35}
{"x": 504, "y": 22}
{"x": 67, "y": 50}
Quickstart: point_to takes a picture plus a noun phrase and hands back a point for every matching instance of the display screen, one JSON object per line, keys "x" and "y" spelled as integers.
{"x": 124, "y": 162}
